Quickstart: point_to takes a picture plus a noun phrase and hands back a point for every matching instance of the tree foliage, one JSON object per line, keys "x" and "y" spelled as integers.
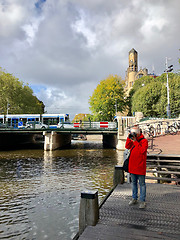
{"x": 149, "y": 95}
{"x": 83, "y": 117}
{"x": 107, "y": 94}
{"x": 17, "y": 96}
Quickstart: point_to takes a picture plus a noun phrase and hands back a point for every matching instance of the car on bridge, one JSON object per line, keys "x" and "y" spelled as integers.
{"x": 36, "y": 125}
{"x": 2, "y": 125}
{"x": 65, "y": 125}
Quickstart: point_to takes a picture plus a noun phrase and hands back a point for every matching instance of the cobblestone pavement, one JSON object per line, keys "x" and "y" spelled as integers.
{"x": 169, "y": 144}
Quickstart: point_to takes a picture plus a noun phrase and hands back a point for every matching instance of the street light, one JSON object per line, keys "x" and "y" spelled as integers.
{"x": 8, "y": 105}
{"x": 168, "y": 69}
{"x": 115, "y": 107}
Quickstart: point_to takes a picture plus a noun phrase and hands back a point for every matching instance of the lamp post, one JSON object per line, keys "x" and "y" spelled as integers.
{"x": 7, "y": 111}
{"x": 168, "y": 69}
{"x": 116, "y": 107}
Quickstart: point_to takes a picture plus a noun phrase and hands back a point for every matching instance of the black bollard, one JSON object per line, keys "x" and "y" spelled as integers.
{"x": 118, "y": 175}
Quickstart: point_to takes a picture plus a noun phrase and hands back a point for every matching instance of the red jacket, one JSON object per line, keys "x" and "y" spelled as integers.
{"x": 138, "y": 155}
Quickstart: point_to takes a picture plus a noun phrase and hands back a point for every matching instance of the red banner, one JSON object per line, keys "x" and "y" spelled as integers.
{"x": 103, "y": 124}
{"x": 76, "y": 124}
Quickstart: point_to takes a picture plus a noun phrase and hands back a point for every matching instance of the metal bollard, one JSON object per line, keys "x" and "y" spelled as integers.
{"x": 118, "y": 175}
{"x": 89, "y": 210}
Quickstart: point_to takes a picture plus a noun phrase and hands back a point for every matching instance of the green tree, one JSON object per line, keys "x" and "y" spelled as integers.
{"x": 139, "y": 84}
{"x": 19, "y": 96}
{"x": 107, "y": 94}
{"x": 149, "y": 95}
{"x": 145, "y": 99}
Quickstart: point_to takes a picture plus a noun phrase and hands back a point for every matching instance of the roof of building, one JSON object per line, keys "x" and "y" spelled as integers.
{"x": 133, "y": 51}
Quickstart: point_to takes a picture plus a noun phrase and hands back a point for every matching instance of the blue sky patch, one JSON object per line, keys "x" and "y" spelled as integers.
{"x": 37, "y": 88}
{"x": 39, "y": 3}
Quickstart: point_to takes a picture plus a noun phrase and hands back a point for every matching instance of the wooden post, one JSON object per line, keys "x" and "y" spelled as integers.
{"x": 89, "y": 210}
{"x": 118, "y": 175}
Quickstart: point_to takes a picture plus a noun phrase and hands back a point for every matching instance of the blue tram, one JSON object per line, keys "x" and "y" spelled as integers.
{"x": 20, "y": 120}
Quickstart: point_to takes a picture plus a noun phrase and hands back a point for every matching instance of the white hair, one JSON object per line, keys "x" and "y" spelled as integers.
{"x": 135, "y": 129}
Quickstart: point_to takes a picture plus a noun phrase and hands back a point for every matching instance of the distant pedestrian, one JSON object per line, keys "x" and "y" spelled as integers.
{"x": 137, "y": 164}
{"x": 80, "y": 123}
{"x": 89, "y": 121}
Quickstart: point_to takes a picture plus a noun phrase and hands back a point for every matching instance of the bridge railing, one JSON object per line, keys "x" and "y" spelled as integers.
{"x": 96, "y": 125}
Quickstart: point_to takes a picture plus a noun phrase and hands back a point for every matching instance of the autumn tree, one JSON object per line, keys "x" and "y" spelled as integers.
{"x": 18, "y": 96}
{"x": 83, "y": 117}
{"x": 108, "y": 94}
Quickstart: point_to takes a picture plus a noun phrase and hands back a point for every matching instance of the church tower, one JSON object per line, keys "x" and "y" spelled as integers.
{"x": 133, "y": 67}
{"x": 132, "y": 73}
{"x": 133, "y": 60}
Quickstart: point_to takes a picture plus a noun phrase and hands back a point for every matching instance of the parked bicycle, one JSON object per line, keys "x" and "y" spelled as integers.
{"x": 158, "y": 128}
{"x": 150, "y": 130}
{"x": 176, "y": 125}
{"x": 171, "y": 129}
{"x": 152, "y": 149}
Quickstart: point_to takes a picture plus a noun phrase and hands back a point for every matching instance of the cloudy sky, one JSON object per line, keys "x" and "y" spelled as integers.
{"x": 64, "y": 48}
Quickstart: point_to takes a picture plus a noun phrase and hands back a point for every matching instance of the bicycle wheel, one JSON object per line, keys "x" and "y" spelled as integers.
{"x": 172, "y": 130}
{"x": 158, "y": 129}
{"x": 152, "y": 130}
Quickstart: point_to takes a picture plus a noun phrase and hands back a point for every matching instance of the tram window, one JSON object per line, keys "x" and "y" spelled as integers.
{"x": 61, "y": 120}
{"x": 67, "y": 117}
{"x": 24, "y": 120}
{"x": 15, "y": 122}
{"x": 45, "y": 121}
{"x": 32, "y": 119}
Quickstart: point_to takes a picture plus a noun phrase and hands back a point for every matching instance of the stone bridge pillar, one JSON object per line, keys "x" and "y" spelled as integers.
{"x": 54, "y": 140}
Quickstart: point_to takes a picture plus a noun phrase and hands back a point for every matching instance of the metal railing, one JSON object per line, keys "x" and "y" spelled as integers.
{"x": 163, "y": 168}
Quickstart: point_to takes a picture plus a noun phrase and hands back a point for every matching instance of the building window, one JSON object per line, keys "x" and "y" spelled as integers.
{"x": 140, "y": 75}
{"x": 131, "y": 84}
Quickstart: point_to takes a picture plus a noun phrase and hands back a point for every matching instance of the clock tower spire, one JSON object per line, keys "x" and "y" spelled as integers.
{"x": 133, "y": 60}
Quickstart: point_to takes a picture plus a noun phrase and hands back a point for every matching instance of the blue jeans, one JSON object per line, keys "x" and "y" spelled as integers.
{"x": 141, "y": 178}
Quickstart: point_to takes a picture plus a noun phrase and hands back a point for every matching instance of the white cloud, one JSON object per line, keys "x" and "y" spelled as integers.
{"x": 68, "y": 46}
{"x": 81, "y": 26}
{"x": 31, "y": 29}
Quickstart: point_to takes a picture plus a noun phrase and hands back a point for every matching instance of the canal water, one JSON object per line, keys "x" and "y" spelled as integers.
{"x": 40, "y": 191}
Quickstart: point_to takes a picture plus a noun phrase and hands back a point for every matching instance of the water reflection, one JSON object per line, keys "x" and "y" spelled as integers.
{"x": 40, "y": 191}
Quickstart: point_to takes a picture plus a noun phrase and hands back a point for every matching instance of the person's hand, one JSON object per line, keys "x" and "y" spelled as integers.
{"x": 130, "y": 137}
{"x": 134, "y": 139}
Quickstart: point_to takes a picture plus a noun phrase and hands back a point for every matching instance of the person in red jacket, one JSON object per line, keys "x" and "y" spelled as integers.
{"x": 137, "y": 164}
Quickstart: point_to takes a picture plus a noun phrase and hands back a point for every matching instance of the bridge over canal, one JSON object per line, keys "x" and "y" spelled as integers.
{"x": 53, "y": 138}
{"x": 114, "y": 134}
